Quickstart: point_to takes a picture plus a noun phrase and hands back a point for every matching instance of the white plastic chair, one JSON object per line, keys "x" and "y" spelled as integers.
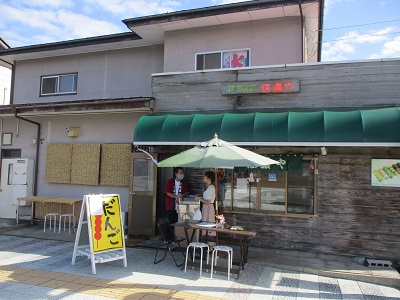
{"x": 70, "y": 217}
{"x": 200, "y": 246}
{"x": 50, "y": 216}
{"x": 226, "y": 249}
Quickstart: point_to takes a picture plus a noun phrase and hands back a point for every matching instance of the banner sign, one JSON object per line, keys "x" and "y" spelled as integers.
{"x": 100, "y": 234}
{"x": 281, "y": 86}
{"x": 105, "y": 221}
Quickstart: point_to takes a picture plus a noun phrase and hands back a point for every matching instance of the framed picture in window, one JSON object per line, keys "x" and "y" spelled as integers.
{"x": 7, "y": 139}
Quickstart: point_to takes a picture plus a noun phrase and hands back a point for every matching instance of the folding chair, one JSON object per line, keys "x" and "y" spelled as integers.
{"x": 169, "y": 239}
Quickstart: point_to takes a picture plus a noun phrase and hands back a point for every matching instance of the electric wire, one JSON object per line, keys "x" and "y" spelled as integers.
{"x": 352, "y": 26}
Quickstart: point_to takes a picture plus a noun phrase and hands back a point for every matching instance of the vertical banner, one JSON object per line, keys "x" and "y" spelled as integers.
{"x": 105, "y": 222}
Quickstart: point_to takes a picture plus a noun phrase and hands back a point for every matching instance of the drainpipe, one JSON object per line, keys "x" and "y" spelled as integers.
{"x": 302, "y": 32}
{"x": 37, "y": 148}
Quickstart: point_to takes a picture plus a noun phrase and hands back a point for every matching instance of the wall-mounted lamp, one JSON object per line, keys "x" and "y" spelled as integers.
{"x": 324, "y": 151}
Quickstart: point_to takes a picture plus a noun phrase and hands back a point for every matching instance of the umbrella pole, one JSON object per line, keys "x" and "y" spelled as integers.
{"x": 216, "y": 202}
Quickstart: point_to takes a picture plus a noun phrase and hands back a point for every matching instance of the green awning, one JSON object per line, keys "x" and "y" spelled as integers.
{"x": 364, "y": 127}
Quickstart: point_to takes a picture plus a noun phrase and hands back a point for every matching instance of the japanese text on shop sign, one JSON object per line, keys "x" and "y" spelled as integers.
{"x": 281, "y": 86}
{"x": 106, "y": 224}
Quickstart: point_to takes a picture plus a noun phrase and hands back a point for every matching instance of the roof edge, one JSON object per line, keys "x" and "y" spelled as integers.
{"x": 210, "y": 11}
{"x": 103, "y": 39}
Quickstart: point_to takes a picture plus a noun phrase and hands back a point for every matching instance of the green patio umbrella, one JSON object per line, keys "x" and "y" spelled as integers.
{"x": 217, "y": 153}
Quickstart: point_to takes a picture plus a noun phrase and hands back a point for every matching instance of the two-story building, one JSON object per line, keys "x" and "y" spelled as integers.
{"x": 247, "y": 71}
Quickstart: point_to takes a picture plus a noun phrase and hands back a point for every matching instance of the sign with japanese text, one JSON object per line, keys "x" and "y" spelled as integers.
{"x": 281, "y": 86}
{"x": 105, "y": 222}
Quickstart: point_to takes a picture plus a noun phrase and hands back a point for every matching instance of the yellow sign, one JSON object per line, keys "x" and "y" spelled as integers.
{"x": 105, "y": 221}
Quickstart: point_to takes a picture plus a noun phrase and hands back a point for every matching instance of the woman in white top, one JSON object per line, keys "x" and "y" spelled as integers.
{"x": 208, "y": 211}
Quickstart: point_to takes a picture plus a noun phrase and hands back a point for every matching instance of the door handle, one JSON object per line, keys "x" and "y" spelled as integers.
{"x": 132, "y": 193}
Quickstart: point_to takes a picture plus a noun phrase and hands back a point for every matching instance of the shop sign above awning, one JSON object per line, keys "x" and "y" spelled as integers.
{"x": 373, "y": 127}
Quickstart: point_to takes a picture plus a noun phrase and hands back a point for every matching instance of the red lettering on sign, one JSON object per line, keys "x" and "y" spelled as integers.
{"x": 266, "y": 88}
{"x": 289, "y": 86}
{"x": 278, "y": 88}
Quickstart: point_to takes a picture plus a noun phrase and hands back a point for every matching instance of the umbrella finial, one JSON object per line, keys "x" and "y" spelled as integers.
{"x": 215, "y": 135}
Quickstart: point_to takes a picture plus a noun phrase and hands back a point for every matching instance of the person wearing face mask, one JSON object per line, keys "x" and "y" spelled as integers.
{"x": 175, "y": 188}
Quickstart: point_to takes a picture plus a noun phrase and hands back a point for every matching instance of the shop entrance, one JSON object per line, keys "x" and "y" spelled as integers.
{"x": 142, "y": 195}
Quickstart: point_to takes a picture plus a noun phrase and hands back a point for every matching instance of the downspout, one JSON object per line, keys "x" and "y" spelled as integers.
{"x": 37, "y": 148}
{"x": 302, "y": 32}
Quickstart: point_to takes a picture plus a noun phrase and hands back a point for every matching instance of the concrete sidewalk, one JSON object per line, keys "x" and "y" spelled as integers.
{"x": 41, "y": 269}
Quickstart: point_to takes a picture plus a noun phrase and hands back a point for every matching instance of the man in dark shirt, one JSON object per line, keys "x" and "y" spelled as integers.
{"x": 175, "y": 188}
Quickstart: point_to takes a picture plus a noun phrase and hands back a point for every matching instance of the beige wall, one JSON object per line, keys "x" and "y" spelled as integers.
{"x": 95, "y": 129}
{"x": 273, "y": 41}
{"x": 110, "y": 74}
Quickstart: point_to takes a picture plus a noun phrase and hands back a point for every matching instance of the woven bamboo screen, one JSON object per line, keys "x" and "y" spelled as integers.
{"x": 115, "y": 160}
{"x": 85, "y": 164}
{"x": 58, "y": 163}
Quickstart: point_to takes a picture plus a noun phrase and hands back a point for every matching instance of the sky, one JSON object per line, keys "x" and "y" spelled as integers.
{"x": 353, "y": 29}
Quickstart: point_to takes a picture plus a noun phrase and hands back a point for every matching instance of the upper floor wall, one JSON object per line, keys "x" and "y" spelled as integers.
{"x": 100, "y": 75}
{"x": 270, "y": 42}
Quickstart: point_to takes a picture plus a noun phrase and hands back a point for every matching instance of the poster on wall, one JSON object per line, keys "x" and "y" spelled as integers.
{"x": 385, "y": 172}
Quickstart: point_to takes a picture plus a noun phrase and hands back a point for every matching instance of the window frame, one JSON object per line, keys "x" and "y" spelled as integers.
{"x": 57, "y": 93}
{"x": 285, "y": 213}
{"x": 221, "y": 52}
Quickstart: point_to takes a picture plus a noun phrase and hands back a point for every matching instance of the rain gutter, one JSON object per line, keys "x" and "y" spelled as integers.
{"x": 303, "y": 59}
{"x": 37, "y": 148}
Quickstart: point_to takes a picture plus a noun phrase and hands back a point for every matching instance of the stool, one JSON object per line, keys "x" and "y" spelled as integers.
{"x": 70, "y": 217}
{"x": 226, "y": 249}
{"x": 50, "y": 215}
{"x": 200, "y": 246}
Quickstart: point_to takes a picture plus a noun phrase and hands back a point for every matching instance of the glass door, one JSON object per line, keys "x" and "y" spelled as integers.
{"x": 142, "y": 198}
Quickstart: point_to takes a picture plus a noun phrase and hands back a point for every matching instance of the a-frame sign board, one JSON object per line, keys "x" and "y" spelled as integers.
{"x": 100, "y": 234}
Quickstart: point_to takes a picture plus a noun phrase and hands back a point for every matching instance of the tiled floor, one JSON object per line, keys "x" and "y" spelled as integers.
{"x": 41, "y": 269}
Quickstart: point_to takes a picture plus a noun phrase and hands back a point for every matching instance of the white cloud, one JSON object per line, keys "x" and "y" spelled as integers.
{"x": 47, "y": 25}
{"x": 133, "y": 8}
{"x": 389, "y": 49}
{"x": 78, "y": 25}
{"x": 48, "y": 3}
{"x": 342, "y": 47}
{"x": 329, "y": 3}
{"x": 374, "y": 36}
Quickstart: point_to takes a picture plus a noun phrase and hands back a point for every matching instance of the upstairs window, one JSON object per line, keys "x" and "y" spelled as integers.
{"x": 58, "y": 84}
{"x": 223, "y": 60}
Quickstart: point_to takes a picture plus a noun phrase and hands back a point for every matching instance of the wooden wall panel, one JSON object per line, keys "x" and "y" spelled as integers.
{"x": 354, "y": 218}
{"x": 357, "y": 84}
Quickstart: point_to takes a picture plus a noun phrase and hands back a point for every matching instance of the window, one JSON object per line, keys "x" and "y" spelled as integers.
{"x": 223, "y": 59}
{"x": 290, "y": 190}
{"x": 58, "y": 84}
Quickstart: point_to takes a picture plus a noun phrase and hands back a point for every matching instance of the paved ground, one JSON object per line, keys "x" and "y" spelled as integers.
{"x": 41, "y": 269}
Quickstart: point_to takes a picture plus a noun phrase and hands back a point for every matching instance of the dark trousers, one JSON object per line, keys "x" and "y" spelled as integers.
{"x": 172, "y": 216}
